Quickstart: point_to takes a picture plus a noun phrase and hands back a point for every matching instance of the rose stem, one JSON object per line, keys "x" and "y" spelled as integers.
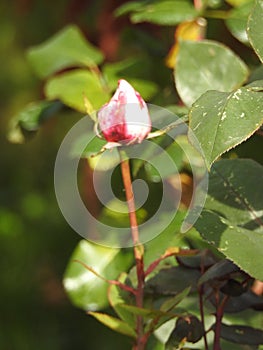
{"x": 137, "y": 247}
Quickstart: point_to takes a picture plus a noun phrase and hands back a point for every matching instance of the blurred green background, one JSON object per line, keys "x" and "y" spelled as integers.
{"x": 35, "y": 240}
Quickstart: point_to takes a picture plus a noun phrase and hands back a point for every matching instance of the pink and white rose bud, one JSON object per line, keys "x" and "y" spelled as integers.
{"x": 125, "y": 118}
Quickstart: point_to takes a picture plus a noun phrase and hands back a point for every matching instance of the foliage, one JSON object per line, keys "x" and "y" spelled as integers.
{"x": 209, "y": 270}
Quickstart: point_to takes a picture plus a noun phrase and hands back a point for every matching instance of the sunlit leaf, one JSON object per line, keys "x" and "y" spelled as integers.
{"x": 114, "y": 323}
{"x": 165, "y": 12}
{"x": 255, "y": 28}
{"x": 127, "y": 7}
{"x": 207, "y": 65}
{"x": 189, "y": 30}
{"x": 72, "y": 88}
{"x": 237, "y": 21}
{"x": 214, "y": 117}
{"x": 237, "y": 3}
{"x": 86, "y": 290}
{"x": 68, "y": 48}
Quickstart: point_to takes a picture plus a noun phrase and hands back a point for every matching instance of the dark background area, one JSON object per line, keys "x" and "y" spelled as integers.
{"x": 35, "y": 240}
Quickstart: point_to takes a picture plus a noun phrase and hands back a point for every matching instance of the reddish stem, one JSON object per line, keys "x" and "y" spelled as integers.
{"x": 201, "y": 303}
{"x": 137, "y": 247}
{"x": 219, "y": 315}
{"x": 201, "y": 307}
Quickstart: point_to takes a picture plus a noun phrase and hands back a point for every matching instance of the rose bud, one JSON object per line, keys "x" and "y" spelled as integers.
{"x": 125, "y": 118}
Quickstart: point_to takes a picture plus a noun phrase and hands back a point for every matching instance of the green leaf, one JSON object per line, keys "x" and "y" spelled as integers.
{"x": 237, "y": 21}
{"x": 221, "y": 120}
{"x": 30, "y": 119}
{"x": 241, "y": 334}
{"x": 94, "y": 145}
{"x": 88, "y": 145}
{"x": 172, "y": 302}
{"x": 137, "y": 71}
{"x": 117, "y": 297}
{"x": 170, "y": 237}
{"x": 232, "y": 219}
{"x": 180, "y": 111}
{"x": 244, "y": 301}
{"x": 255, "y": 28}
{"x": 68, "y": 48}
{"x": 147, "y": 313}
{"x": 86, "y": 290}
{"x": 115, "y": 324}
{"x": 235, "y": 188}
{"x": 165, "y": 12}
{"x": 127, "y": 7}
{"x": 207, "y": 65}
{"x": 173, "y": 280}
{"x": 73, "y": 87}
{"x": 187, "y": 328}
{"x": 171, "y": 164}
{"x": 203, "y": 259}
{"x": 221, "y": 270}
{"x": 237, "y": 3}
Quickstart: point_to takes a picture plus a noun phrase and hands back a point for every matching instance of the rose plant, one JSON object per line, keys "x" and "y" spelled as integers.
{"x": 178, "y": 288}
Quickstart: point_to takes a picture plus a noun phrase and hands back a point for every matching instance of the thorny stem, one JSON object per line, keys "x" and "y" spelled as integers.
{"x": 137, "y": 247}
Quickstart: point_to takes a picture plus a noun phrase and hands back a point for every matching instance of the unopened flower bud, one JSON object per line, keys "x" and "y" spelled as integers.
{"x": 125, "y": 118}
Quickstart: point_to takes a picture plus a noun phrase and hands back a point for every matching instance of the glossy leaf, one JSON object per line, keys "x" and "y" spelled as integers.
{"x": 232, "y": 219}
{"x": 165, "y": 12}
{"x": 254, "y": 28}
{"x": 242, "y": 334}
{"x": 214, "y": 117}
{"x": 72, "y": 88}
{"x": 114, "y": 323}
{"x": 86, "y": 290}
{"x": 68, "y": 48}
{"x": 237, "y": 21}
{"x": 207, "y": 65}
